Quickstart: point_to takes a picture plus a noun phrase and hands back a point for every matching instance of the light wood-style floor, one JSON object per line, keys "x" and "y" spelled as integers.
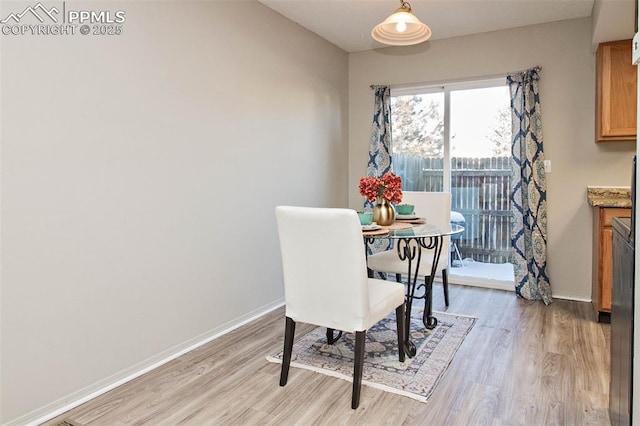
{"x": 523, "y": 363}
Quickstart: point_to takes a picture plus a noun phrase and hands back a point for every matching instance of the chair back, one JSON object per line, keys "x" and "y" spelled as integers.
{"x": 436, "y": 208}
{"x": 324, "y": 266}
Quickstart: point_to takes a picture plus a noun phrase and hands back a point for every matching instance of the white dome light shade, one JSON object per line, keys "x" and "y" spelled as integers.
{"x": 401, "y": 29}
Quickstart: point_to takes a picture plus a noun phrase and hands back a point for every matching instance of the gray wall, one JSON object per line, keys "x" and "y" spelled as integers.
{"x": 567, "y": 92}
{"x": 139, "y": 177}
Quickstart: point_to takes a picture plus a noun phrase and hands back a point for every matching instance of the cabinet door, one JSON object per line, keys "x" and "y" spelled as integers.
{"x": 616, "y": 92}
{"x": 606, "y": 268}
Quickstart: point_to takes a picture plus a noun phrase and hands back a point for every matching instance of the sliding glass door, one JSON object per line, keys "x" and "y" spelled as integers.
{"x": 457, "y": 138}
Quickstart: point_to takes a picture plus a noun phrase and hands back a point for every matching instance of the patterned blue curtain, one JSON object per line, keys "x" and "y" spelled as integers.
{"x": 379, "y": 161}
{"x": 529, "y": 191}
{"x": 380, "y": 141}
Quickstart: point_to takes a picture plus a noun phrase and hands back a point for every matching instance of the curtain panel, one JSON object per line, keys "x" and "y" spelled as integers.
{"x": 529, "y": 191}
{"x": 379, "y": 161}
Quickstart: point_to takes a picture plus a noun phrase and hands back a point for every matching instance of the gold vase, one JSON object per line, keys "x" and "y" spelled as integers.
{"x": 383, "y": 212}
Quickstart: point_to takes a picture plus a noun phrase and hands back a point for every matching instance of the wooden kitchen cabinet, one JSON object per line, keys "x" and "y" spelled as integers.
{"x": 616, "y": 92}
{"x": 602, "y": 261}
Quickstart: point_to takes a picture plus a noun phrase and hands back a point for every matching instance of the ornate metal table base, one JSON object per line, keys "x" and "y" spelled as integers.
{"x": 410, "y": 250}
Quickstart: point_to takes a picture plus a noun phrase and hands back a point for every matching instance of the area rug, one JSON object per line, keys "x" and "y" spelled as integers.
{"x": 416, "y": 378}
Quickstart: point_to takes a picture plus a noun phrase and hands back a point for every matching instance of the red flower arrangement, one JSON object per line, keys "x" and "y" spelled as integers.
{"x": 388, "y": 187}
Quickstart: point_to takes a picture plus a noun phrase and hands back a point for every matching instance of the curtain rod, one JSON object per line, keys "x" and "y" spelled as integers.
{"x": 453, "y": 81}
{"x": 536, "y": 68}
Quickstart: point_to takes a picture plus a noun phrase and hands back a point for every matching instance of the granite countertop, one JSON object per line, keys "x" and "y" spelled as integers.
{"x": 609, "y": 196}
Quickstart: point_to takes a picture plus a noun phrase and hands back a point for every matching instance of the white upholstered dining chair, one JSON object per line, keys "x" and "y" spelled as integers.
{"x": 326, "y": 283}
{"x": 436, "y": 208}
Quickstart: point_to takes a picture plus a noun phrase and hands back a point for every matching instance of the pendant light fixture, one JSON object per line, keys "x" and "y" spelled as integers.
{"x": 402, "y": 28}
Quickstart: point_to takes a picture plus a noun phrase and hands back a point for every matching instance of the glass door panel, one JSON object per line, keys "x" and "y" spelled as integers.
{"x": 418, "y": 140}
{"x": 480, "y": 170}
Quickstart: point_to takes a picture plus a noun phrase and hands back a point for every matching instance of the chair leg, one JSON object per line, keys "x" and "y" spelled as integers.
{"x": 330, "y": 338}
{"x": 398, "y": 278}
{"x": 457, "y": 252}
{"x": 445, "y": 286}
{"x": 358, "y": 362}
{"x": 289, "y": 331}
{"x": 400, "y": 325}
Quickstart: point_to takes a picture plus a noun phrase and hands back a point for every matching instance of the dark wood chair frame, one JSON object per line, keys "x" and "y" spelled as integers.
{"x": 358, "y": 362}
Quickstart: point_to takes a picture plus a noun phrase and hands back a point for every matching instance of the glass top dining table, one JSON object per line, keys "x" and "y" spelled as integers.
{"x": 409, "y": 240}
{"x": 400, "y": 230}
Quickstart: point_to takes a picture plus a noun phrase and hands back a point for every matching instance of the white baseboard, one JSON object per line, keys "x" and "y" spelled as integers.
{"x": 573, "y": 298}
{"x": 62, "y": 405}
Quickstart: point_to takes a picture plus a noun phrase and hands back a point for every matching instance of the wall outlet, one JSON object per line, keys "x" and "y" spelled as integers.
{"x": 547, "y": 166}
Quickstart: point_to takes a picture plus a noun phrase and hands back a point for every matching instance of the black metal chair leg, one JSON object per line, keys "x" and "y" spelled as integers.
{"x": 400, "y": 325}
{"x": 445, "y": 286}
{"x": 330, "y": 338}
{"x": 358, "y": 362}
{"x": 289, "y": 332}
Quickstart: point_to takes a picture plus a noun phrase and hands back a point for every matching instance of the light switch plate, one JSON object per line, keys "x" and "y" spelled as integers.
{"x": 547, "y": 166}
{"x": 635, "y": 49}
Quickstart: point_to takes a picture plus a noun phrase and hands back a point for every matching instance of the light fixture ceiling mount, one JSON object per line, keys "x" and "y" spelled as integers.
{"x": 402, "y": 28}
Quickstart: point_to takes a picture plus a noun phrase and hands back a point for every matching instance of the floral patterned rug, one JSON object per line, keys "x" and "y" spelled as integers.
{"x": 416, "y": 378}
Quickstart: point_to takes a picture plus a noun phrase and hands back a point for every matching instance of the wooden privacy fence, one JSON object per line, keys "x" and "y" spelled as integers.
{"x": 480, "y": 190}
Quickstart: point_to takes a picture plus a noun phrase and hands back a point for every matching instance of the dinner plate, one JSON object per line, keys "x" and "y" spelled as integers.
{"x": 406, "y": 216}
{"x": 371, "y": 227}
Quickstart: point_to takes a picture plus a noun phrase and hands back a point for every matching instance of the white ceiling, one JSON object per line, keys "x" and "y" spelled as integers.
{"x": 348, "y": 23}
